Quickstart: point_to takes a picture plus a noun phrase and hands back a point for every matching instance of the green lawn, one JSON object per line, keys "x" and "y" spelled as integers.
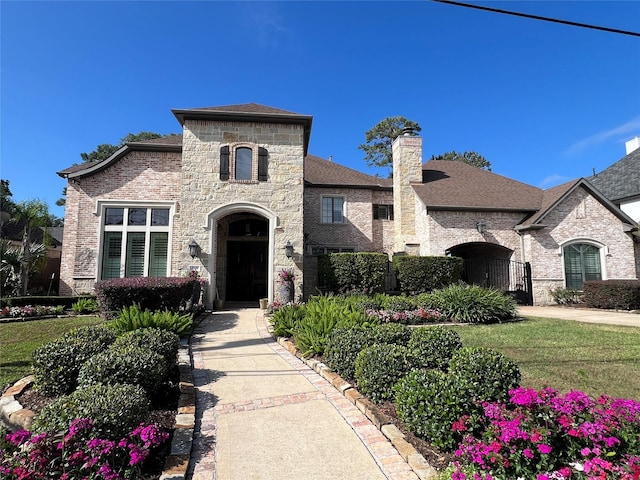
{"x": 19, "y": 339}
{"x": 566, "y": 355}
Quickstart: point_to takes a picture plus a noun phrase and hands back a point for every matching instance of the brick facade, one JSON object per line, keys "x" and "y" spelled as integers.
{"x": 205, "y": 208}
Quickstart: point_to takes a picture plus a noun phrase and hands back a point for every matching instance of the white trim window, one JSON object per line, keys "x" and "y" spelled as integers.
{"x": 135, "y": 241}
{"x": 582, "y": 262}
{"x": 333, "y": 210}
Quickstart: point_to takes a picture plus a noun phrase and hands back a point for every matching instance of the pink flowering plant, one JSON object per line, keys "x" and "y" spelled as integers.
{"x": 543, "y": 435}
{"x": 30, "y": 311}
{"x": 286, "y": 276}
{"x": 77, "y": 454}
{"x": 417, "y": 316}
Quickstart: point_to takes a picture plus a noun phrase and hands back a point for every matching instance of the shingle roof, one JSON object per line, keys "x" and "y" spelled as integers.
{"x": 457, "y": 185}
{"x": 321, "y": 172}
{"x": 248, "y": 108}
{"x": 621, "y": 180}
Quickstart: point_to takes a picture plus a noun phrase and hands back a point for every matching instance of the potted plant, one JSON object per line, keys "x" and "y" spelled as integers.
{"x": 286, "y": 279}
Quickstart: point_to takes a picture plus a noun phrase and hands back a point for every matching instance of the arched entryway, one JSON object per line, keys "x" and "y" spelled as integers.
{"x": 490, "y": 265}
{"x": 242, "y": 243}
{"x": 246, "y": 264}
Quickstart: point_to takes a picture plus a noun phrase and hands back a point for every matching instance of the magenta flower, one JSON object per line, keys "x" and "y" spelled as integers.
{"x": 544, "y": 448}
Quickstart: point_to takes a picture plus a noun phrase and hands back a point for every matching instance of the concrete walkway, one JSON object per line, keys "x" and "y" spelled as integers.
{"x": 589, "y": 315}
{"x": 264, "y": 414}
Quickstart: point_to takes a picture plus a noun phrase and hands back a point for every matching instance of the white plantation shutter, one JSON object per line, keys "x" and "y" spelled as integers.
{"x": 158, "y": 254}
{"x": 112, "y": 255}
{"x": 135, "y": 254}
{"x": 581, "y": 263}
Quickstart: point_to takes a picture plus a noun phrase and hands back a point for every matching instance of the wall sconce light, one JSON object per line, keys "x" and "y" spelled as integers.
{"x": 481, "y": 227}
{"x": 194, "y": 248}
{"x": 288, "y": 249}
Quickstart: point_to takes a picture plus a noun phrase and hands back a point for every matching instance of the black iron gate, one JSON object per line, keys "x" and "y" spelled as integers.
{"x": 512, "y": 278}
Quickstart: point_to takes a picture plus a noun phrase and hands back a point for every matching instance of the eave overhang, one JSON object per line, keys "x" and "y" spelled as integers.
{"x": 258, "y": 117}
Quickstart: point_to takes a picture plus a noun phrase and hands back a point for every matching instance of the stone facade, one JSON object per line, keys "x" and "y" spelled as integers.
{"x": 212, "y": 207}
{"x": 206, "y": 199}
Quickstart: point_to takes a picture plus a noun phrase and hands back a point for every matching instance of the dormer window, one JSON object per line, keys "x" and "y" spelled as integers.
{"x": 240, "y": 163}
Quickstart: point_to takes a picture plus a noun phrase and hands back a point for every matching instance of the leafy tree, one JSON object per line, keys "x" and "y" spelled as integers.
{"x": 33, "y": 214}
{"x": 6, "y": 197}
{"x": 379, "y": 139}
{"x": 472, "y": 158}
{"x": 105, "y": 150}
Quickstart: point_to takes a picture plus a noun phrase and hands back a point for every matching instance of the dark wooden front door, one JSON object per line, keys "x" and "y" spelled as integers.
{"x": 246, "y": 270}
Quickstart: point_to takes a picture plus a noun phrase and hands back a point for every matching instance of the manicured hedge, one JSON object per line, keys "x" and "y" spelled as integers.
{"x": 618, "y": 294}
{"x": 149, "y": 293}
{"x": 417, "y": 274}
{"x": 66, "y": 302}
{"x": 347, "y": 272}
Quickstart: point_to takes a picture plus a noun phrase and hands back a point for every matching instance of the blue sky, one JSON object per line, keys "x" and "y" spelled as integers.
{"x": 543, "y": 102}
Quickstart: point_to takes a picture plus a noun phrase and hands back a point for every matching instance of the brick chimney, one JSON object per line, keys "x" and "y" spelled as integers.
{"x": 407, "y": 170}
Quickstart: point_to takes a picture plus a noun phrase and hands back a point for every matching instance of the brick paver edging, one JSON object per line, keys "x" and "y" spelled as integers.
{"x": 383, "y": 423}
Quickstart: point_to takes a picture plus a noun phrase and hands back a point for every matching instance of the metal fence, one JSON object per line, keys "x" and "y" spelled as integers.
{"x": 513, "y": 278}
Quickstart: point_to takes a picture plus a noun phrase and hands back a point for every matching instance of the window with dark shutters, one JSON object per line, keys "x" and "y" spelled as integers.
{"x": 263, "y": 156}
{"x": 224, "y": 163}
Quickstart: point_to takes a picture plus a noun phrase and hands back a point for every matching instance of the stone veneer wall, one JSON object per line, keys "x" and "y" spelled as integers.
{"x": 579, "y": 216}
{"x": 139, "y": 176}
{"x": 203, "y": 191}
{"x": 407, "y": 170}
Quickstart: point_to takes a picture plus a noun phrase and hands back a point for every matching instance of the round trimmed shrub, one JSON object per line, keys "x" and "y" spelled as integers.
{"x": 486, "y": 375}
{"x": 164, "y": 342}
{"x": 56, "y": 364}
{"x": 125, "y": 364}
{"x": 343, "y": 347}
{"x": 115, "y": 410}
{"x": 433, "y": 347}
{"x": 391, "y": 333}
{"x": 429, "y": 402}
{"x": 379, "y": 367}
{"x": 399, "y": 303}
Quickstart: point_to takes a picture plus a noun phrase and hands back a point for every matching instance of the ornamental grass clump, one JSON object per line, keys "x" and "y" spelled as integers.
{"x": 544, "y": 435}
{"x": 475, "y": 304}
{"x": 133, "y": 317}
{"x": 78, "y": 452}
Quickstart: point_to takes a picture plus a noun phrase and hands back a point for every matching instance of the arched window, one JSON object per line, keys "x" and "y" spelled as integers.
{"x": 244, "y": 158}
{"x": 581, "y": 263}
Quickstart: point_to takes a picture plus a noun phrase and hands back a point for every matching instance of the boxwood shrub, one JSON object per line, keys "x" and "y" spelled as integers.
{"x": 619, "y": 294}
{"x": 125, "y": 364}
{"x": 115, "y": 410}
{"x": 347, "y": 272}
{"x": 485, "y": 374}
{"x": 391, "y": 333}
{"x": 56, "y": 364}
{"x": 416, "y": 274}
{"x": 343, "y": 347}
{"x": 163, "y": 342}
{"x": 379, "y": 367}
{"x": 429, "y": 402}
{"x": 433, "y": 347}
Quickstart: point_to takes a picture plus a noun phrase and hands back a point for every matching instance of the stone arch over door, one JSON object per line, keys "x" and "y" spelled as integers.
{"x": 218, "y": 223}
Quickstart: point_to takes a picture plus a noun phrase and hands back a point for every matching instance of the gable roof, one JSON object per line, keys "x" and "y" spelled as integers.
{"x": 451, "y": 185}
{"x": 319, "y": 172}
{"x": 247, "y": 112}
{"x": 554, "y": 196}
{"x": 171, "y": 143}
{"x": 621, "y": 180}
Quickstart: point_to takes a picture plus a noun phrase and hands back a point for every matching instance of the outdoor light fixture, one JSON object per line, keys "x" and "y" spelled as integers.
{"x": 194, "y": 248}
{"x": 481, "y": 226}
{"x": 288, "y": 249}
